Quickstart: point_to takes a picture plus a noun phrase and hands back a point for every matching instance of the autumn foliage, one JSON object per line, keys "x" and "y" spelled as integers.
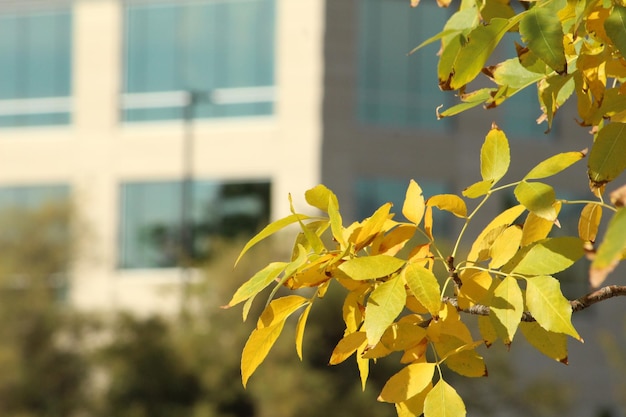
{"x": 407, "y": 292}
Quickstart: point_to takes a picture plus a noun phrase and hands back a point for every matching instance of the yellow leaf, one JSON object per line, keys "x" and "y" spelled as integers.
{"x": 413, "y": 208}
{"x": 336, "y": 223}
{"x": 256, "y": 349}
{"x": 478, "y": 189}
{"x": 363, "y": 364}
{"x": 402, "y": 336}
{"x": 414, "y": 406}
{"x": 428, "y": 222}
{"x": 551, "y": 344}
{"x": 371, "y": 267}
{"x": 537, "y": 228}
{"x": 495, "y": 155}
{"x": 448, "y": 202}
{"x": 424, "y": 286}
{"x": 475, "y": 288}
{"x": 383, "y": 306}
{"x": 407, "y": 383}
{"x": 548, "y": 306}
{"x": 538, "y": 198}
{"x": 372, "y": 226}
{"x": 300, "y": 329}
{"x": 378, "y": 351}
{"x": 546, "y": 257}
{"x": 443, "y": 401}
{"x": 611, "y": 249}
{"x": 279, "y": 309}
{"x": 589, "y": 222}
{"x": 505, "y": 218}
{"x": 320, "y": 196}
{"x": 460, "y": 357}
{"x": 487, "y": 331}
{"x": 505, "y": 246}
{"x": 506, "y": 308}
{"x": 416, "y": 353}
{"x": 347, "y": 346}
{"x": 554, "y": 165}
{"x": 352, "y": 313}
{"x": 395, "y": 240}
{"x": 449, "y": 323}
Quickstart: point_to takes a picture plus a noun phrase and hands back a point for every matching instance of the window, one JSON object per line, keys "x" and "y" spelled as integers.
{"x": 35, "y": 68}
{"x": 153, "y": 223}
{"x": 395, "y": 89}
{"x": 221, "y": 50}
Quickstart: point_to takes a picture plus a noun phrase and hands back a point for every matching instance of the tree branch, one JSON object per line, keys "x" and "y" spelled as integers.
{"x": 578, "y": 304}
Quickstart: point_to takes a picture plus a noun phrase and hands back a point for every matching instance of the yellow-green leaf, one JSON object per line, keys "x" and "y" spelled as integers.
{"x": 383, "y": 306}
{"x": 408, "y": 382}
{"x": 371, "y": 267}
{"x": 495, "y": 156}
{"x": 347, "y": 346}
{"x": 538, "y": 198}
{"x": 256, "y": 349}
{"x": 319, "y": 197}
{"x": 606, "y": 158}
{"x": 589, "y": 222}
{"x": 615, "y": 27}
{"x": 505, "y": 246}
{"x": 258, "y": 282}
{"x": 279, "y": 309}
{"x": 449, "y": 202}
{"x": 270, "y": 229}
{"x": 424, "y": 285}
{"x": 505, "y": 218}
{"x": 413, "y": 208}
{"x": 467, "y": 363}
{"x": 548, "y": 306}
{"x": 336, "y": 223}
{"x": 513, "y": 74}
{"x": 611, "y": 248}
{"x": 546, "y": 257}
{"x": 473, "y": 55}
{"x": 300, "y": 329}
{"x": 537, "y": 228}
{"x": 506, "y": 308}
{"x": 551, "y": 344}
{"x": 478, "y": 189}
{"x": 372, "y": 226}
{"x": 554, "y": 165}
{"x": 541, "y": 30}
{"x": 443, "y": 401}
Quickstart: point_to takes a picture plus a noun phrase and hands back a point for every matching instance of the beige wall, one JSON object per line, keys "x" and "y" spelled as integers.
{"x": 97, "y": 152}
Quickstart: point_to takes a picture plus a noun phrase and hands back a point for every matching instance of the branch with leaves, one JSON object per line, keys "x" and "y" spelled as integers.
{"x": 396, "y": 300}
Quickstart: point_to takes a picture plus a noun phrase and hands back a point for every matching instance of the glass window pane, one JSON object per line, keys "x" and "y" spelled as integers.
{"x": 35, "y": 63}
{"x": 152, "y": 218}
{"x": 208, "y": 45}
{"x": 395, "y": 89}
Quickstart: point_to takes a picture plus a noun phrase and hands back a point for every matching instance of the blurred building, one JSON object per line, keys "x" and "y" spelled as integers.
{"x": 171, "y": 122}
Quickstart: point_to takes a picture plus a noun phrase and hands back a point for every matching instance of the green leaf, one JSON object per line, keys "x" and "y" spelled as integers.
{"x": 413, "y": 208}
{"x": 473, "y": 55}
{"x": 506, "y": 308}
{"x": 554, "y": 165}
{"x": 424, "y": 286}
{"x": 541, "y": 30}
{"x": 371, "y": 267}
{"x": 546, "y": 257}
{"x": 270, "y": 229}
{"x": 258, "y": 282}
{"x": 512, "y": 73}
{"x": 319, "y": 196}
{"x": 548, "y": 306}
{"x": 408, "y": 382}
{"x": 495, "y": 156}
{"x": 551, "y": 344}
{"x": 256, "y": 349}
{"x": 383, "y": 306}
{"x": 606, "y": 159}
{"x": 538, "y": 198}
{"x": 469, "y": 101}
{"x": 443, "y": 401}
{"x": 615, "y": 27}
{"x": 611, "y": 248}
